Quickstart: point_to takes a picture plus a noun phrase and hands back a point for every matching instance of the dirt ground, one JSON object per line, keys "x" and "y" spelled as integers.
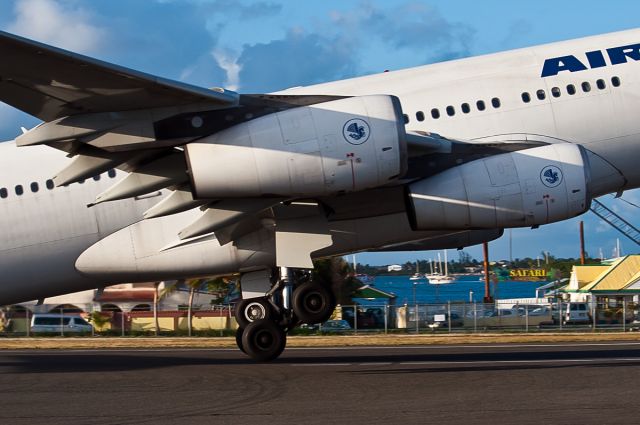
{"x": 309, "y": 341}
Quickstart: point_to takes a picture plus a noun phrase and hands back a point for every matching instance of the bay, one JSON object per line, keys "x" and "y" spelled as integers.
{"x": 464, "y": 289}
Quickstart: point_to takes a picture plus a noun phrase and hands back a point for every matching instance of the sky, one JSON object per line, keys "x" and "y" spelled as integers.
{"x": 261, "y": 46}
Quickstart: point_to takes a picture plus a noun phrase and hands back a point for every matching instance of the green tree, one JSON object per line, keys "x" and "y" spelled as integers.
{"x": 335, "y": 273}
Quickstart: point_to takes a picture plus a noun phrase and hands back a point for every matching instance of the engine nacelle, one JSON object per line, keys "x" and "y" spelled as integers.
{"x": 344, "y": 145}
{"x": 524, "y": 188}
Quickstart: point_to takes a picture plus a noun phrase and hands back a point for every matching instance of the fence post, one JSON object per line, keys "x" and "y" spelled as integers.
{"x": 386, "y": 318}
{"x": 624, "y": 314}
{"x": 560, "y": 314}
{"x": 526, "y": 319}
{"x": 475, "y": 317}
{"x": 593, "y": 313}
{"x": 449, "y": 314}
{"x": 28, "y": 324}
{"x": 62, "y": 321}
{"x": 355, "y": 319}
{"x": 122, "y": 322}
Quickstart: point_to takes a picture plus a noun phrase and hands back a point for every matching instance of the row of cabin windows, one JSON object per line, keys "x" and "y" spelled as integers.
{"x": 571, "y": 89}
{"x": 526, "y": 98}
{"x": 451, "y": 110}
{"x": 35, "y": 187}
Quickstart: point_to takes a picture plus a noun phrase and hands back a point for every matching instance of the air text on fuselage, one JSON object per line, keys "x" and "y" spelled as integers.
{"x": 595, "y": 59}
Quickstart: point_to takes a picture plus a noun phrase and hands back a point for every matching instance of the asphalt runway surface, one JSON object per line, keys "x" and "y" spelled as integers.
{"x": 471, "y": 384}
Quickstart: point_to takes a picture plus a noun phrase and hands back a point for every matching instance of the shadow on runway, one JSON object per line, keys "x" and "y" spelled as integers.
{"x": 105, "y": 361}
{"x": 489, "y": 368}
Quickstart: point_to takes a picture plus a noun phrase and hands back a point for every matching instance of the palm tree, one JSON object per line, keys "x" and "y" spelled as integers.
{"x": 156, "y": 299}
{"x": 335, "y": 273}
{"x": 193, "y": 285}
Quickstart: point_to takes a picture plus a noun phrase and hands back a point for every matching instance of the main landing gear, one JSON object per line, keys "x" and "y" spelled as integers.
{"x": 263, "y": 321}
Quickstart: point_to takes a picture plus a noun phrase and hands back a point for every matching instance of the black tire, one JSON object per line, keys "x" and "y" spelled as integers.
{"x": 248, "y": 311}
{"x": 263, "y": 340}
{"x": 313, "y": 303}
{"x": 239, "y": 333}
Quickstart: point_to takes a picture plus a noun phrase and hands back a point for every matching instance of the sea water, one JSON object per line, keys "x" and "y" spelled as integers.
{"x": 464, "y": 289}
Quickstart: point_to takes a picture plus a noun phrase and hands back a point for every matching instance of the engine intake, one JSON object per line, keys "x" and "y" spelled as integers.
{"x": 344, "y": 145}
{"x": 524, "y": 188}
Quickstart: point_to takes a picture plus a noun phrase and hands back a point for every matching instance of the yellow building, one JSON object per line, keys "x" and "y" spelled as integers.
{"x": 615, "y": 285}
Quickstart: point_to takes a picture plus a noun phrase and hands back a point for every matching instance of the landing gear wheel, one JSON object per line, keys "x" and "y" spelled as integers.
{"x": 263, "y": 340}
{"x": 239, "y": 333}
{"x": 313, "y": 303}
{"x": 253, "y": 309}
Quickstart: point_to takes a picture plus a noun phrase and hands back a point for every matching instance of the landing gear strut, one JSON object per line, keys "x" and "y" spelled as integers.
{"x": 264, "y": 320}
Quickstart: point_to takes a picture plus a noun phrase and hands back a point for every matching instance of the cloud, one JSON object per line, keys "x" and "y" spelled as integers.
{"x": 298, "y": 59}
{"x": 62, "y": 24}
{"x": 11, "y": 120}
{"x": 413, "y": 26}
{"x": 517, "y": 34}
{"x": 229, "y": 63}
{"x": 335, "y": 47}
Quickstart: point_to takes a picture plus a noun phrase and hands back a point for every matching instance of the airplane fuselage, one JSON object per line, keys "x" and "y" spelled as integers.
{"x": 558, "y": 93}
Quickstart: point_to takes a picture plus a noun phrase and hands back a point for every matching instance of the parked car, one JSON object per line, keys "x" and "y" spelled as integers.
{"x": 59, "y": 323}
{"x": 442, "y": 320}
{"x": 335, "y": 326}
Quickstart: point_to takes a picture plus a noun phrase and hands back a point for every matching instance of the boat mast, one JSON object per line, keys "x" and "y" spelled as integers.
{"x": 446, "y": 268}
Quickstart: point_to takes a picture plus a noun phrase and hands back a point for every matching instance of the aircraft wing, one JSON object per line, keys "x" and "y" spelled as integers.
{"x": 51, "y": 83}
{"x": 106, "y": 116}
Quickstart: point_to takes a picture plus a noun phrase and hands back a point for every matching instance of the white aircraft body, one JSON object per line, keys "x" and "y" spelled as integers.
{"x": 211, "y": 182}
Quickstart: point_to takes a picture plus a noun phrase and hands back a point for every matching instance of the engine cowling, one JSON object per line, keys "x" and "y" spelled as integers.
{"x": 344, "y": 145}
{"x": 524, "y": 188}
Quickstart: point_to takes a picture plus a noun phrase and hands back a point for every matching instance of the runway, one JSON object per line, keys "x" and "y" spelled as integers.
{"x": 472, "y": 384}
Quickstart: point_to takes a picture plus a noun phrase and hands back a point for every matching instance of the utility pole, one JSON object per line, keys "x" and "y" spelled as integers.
{"x": 582, "y": 242}
{"x": 487, "y": 291}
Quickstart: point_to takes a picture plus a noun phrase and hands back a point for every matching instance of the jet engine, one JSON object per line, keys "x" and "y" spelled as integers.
{"x": 524, "y": 188}
{"x": 345, "y": 145}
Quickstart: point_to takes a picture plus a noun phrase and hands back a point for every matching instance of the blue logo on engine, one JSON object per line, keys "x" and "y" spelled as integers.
{"x": 356, "y": 131}
{"x": 551, "y": 176}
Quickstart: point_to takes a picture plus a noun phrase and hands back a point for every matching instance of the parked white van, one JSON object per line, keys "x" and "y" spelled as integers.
{"x": 58, "y": 323}
{"x": 576, "y": 313}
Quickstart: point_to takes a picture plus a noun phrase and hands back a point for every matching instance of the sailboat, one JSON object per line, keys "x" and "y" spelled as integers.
{"x": 365, "y": 279}
{"x": 438, "y": 278}
{"x": 417, "y": 275}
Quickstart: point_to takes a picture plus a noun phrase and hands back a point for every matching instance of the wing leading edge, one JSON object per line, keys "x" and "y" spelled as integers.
{"x": 50, "y": 83}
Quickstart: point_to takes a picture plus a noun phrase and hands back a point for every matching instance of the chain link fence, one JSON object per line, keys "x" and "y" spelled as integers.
{"x": 219, "y": 320}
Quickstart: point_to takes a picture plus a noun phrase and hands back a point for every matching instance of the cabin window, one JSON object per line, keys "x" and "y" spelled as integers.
{"x": 81, "y": 181}
{"x": 526, "y": 98}
{"x": 49, "y": 184}
{"x": 541, "y": 94}
{"x": 435, "y": 113}
{"x": 406, "y": 118}
{"x": 3, "y": 193}
{"x": 451, "y": 111}
{"x": 586, "y": 87}
{"x": 615, "y": 81}
{"x": 19, "y": 190}
{"x": 465, "y": 108}
{"x": 111, "y": 173}
{"x": 495, "y": 102}
{"x": 420, "y": 116}
{"x": 601, "y": 84}
{"x": 571, "y": 89}
{"x": 97, "y": 178}
{"x": 34, "y": 187}
{"x": 480, "y": 105}
{"x": 555, "y": 92}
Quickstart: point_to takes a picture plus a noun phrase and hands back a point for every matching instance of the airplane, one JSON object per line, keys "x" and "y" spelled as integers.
{"x": 131, "y": 177}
